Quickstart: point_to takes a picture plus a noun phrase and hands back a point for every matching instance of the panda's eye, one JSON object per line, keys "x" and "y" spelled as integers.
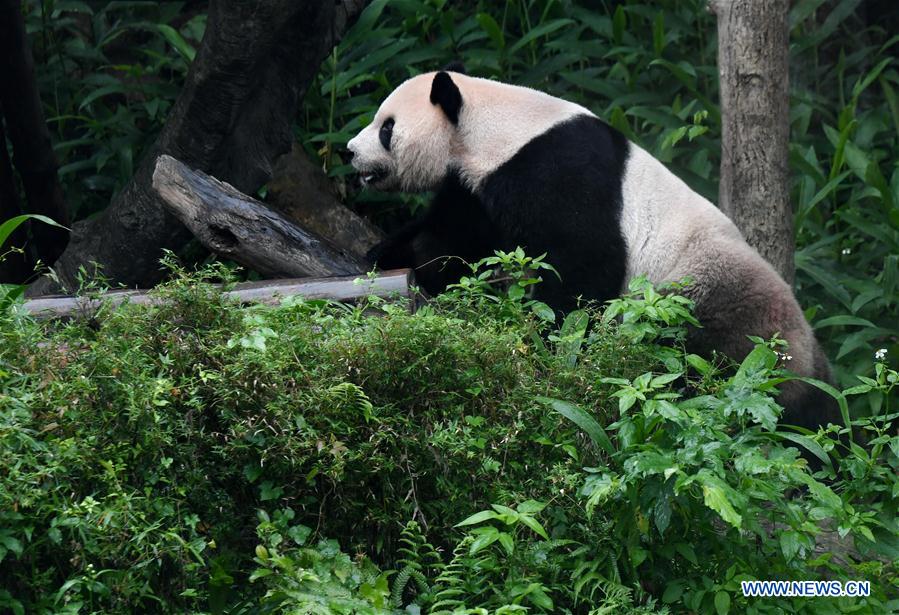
{"x": 386, "y": 133}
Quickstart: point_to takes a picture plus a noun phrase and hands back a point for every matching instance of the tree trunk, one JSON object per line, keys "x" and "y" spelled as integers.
{"x": 32, "y": 150}
{"x": 300, "y": 190}
{"x": 231, "y": 120}
{"x": 753, "y": 67}
{"x": 15, "y": 266}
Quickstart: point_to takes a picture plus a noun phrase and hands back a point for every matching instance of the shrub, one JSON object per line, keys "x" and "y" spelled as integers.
{"x": 604, "y": 467}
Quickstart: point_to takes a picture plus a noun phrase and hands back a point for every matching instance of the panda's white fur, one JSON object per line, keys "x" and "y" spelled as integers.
{"x": 672, "y": 233}
{"x": 496, "y": 121}
{"x": 614, "y": 209}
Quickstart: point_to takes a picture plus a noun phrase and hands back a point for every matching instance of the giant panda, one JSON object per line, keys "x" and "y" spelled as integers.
{"x": 512, "y": 166}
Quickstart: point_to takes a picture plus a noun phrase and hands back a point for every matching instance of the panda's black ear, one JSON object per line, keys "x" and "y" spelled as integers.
{"x": 455, "y": 67}
{"x": 446, "y": 94}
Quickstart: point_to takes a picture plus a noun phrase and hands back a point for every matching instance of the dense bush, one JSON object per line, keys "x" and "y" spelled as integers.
{"x": 598, "y": 466}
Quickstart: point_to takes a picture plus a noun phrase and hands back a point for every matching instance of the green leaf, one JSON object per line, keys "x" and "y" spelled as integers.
{"x": 547, "y": 28}
{"x": 484, "y": 540}
{"x": 626, "y": 400}
{"x": 841, "y": 401}
{"x": 534, "y": 525}
{"x": 543, "y": 311}
{"x": 789, "y": 544}
{"x": 489, "y": 25}
{"x": 12, "y": 543}
{"x": 530, "y": 507}
{"x": 619, "y": 24}
{"x": 662, "y": 514}
{"x": 873, "y": 74}
{"x": 760, "y": 358}
{"x": 574, "y": 327}
{"x": 802, "y": 9}
{"x": 660, "y": 381}
{"x": 506, "y": 514}
{"x": 583, "y": 420}
{"x": 825, "y": 279}
{"x": 484, "y": 515}
{"x": 843, "y": 319}
{"x": 70, "y": 6}
{"x": 715, "y": 494}
{"x": 699, "y": 364}
{"x": 516, "y": 292}
{"x": 722, "y": 602}
{"x": 807, "y": 443}
{"x": 260, "y": 573}
{"x": 892, "y": 101}
{"x": 824, "y": 192}
{"x": 840, "y": 148}
{"x": 116, "y": 88}
{"x": 540, "y": 598}
{"x": 8, "y": 227}
{"x": 506, "y": 541}
{"x": 658, "y": 34}
{"x": 177, "y": 41}
{"x": 9, "y": 294}
{"x": 822, "y": 492}
{"x": 673, "y": 592}
{"x": 687, "y": 552}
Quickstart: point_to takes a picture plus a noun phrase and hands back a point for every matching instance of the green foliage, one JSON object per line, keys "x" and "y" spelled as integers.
{"x": 140, "y": 440}
{"x": 108, "y": 74}
{"x": 319, "y": 578}
{"x": 505, "y": 279}
{"x": 9, "y": 293}
{"x": 587, "y": 469}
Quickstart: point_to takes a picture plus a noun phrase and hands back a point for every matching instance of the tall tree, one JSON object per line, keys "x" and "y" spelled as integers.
{"x": 753, "y": 66}
{"x": 14, "y": 266}
{"x": 33, "y": 154}
{"x": 231, "y": 120}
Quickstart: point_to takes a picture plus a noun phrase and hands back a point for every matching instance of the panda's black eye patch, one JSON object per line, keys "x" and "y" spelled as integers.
{"x": 386, "y": 133}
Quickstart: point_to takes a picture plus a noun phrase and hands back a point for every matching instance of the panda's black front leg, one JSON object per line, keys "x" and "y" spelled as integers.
{"x": 396, "y": 251}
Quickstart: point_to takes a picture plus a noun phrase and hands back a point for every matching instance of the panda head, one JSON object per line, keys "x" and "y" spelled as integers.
{"x": 410, "y": 143}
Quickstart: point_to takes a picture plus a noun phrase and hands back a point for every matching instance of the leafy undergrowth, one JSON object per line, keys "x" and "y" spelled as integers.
{"x": 473, "y": 457}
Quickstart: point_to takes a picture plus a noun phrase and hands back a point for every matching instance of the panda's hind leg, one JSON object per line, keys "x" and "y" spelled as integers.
{"x": 736, "y": 295}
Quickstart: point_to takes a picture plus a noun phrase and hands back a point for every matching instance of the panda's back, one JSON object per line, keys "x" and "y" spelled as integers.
{"x": 665, "y": 223}
{"x": 561, "y": 193}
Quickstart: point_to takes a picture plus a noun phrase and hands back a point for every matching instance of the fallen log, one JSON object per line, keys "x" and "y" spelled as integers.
{"x": 386, "y": 285}
{"x": 239, "y": 227}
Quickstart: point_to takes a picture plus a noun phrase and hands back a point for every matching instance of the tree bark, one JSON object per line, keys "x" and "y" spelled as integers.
{"x": 231, "y": 120}
{"x": 302, "y": 191}
{"x": 15, "y": 266}
{"x": 753, "y": 66}
{"x": 32, "y": 150}
{"x": 238, "y": 227}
